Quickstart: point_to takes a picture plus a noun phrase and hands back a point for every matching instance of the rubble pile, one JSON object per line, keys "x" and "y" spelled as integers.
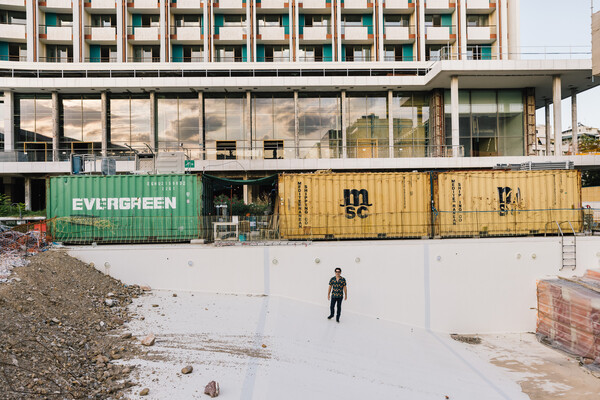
{"x": 15, "y": 247}
{"x": 59, "y": 336}
{"x": 569, "y": 316}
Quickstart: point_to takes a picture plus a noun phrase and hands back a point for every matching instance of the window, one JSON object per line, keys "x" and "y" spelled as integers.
{"x": 228, "y": 53}
{"x": 437, "y": 52}
{"x": 64, "y": 19}
{"x": 59, "y": 53}
{"x": 129, "y": 118}
{"x": 352, "y": 20}
{"x": 311, "y": 53}
{"x": 319, "y": 125}
{"x": 273, "y": 149}
{"x": 150, "y": 20}
{"x": 477, "y": 20}
{"x": 188, "y": 20}
{"x": 81, "y": 124}
{"x": 277, "y": 53}
{"x": 192, "y": 54}
{"x": 225, "y": 120}
{"x": 226, "y": 150}
{"x": 316, "y": 20}
{"x": 108, "y": 53}
{"x": 13, "y": 17}
{"x": 234, "y": 20}
{"x": 270, "y": 20}
{"x": 178, "y": 124}
{"x": 146, "y": 53}
{"x": 104, "y": 20}
{"x": 358, "y": 53}
{"x": 393, "y": 53}
{"x": 17, "y": 52}
{"x": 433, "y": 20}
{"x": 396, "y": 20}
{"x": 367, "y": 132}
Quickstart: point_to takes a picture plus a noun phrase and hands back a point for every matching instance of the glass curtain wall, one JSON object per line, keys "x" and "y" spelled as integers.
{"x": 179, "y": 124}
{"x": 273, "y": 126}
{"x": 411, "y": 124}
{"x": 491, "y": 122}
{"x": 129, "y": 119}
{"x": 367, "y": 134}
{"x": 33, "y": 127}
{"x": 81, "y": 124}
{"x": 320, "y": 125}
{"x": 225, "y": 132}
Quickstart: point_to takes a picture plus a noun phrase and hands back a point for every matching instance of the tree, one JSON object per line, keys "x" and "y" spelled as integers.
{"x": 589, "y": 144}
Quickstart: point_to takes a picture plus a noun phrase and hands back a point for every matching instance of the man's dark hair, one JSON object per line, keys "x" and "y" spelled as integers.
{"x": 338, "y": 269}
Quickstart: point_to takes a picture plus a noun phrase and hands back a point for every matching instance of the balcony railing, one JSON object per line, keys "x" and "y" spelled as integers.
{"x": 230, "y": 59}
{"x": 399, "y": 58}
{"x": 314, "y": 59}
{"x": 13, "y": 58}
{"x": 87, "y": 30}
{"x": 101, "y": 59}
{"x": 187, "y": 59}
{"x": 144, "y": 59}
{"x": 273, "y": 59}
{"x": 56, "y": 59}
{"x": 15, "y": 22}
{"x": 353, "y": 58}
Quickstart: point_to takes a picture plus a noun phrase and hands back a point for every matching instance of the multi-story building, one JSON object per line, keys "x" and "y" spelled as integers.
{"x": 249, "y": 87}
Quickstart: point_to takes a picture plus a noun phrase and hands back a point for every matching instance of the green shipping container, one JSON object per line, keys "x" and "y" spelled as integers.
{"x": 125, "y": 208}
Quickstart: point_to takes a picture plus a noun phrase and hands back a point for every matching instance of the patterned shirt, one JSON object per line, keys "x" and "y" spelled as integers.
{"x": 337, "y": 286}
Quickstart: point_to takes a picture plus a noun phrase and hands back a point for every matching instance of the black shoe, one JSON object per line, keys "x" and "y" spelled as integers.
{"x": 331, "y": 316}
{"x": 337, "y": 320}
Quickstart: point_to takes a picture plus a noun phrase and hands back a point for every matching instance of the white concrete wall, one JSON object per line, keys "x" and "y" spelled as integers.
{"x": 396, "y": 4}
{"x": 59, "y": 4}
{"x": 232, "y": 32}
{"x": 107, "y": 33}
{"x": 314, "y": 4}
{"x": 60, "y": 33}
{"x": 230, "y": 3}
{"x": 103, "y": 4}
{"x": 271, "y": 32}
{"x": 195, "y": 4}
{"x": 272, "y": 3}
{"x": 458, "y": 285}
{"x": 189, "y": 33}
{"x": 396, "y": 33}
{"x": 315, "y": 33}
{"x": 145, "y": 4}
{"x": 481, "y": 33}
{"x": 438, "y": 33}
{"x": 355, "y": 4}
{"x": 356, "y": 33}
{"x": 12, "y": 32}
{"x": 143, "y": 33}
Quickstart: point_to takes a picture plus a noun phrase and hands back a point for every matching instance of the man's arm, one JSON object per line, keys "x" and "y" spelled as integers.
{"x": 329, "y": 292}
{"x": 346, "y": 292}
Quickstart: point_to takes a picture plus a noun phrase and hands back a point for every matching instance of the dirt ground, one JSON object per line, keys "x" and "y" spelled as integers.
{"x": 59, "y": 339}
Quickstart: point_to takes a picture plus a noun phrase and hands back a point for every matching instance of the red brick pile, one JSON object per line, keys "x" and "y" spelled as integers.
{"x": 569, "y": 314}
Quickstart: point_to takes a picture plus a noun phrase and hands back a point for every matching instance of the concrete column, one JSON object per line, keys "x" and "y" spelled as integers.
{"x": 31, "y": 12}
{"x": 391, "y": 123}
{"x": 77, "y": 56}
{"x": 201, "y": 124}
{"x": 249, "y": 134}
{"x": 296, "y": 126}
{"x": 344, "y": 124}
{"x": 338, "y": 18}
{"x": 245, "y": 193}
{"x": 548, "y": 124}
{"x": 163, "y": 31}
{"x": 421, "y": 25}
{"x": 121, "y": 32}
{"x": 503, "y": 27}
{"x": 55, "y": 126}
{"x": 153, "y": 122}
{"x": 556, "y": 100}
{"x": 462, "y": 31}
{"x": 105, "y": 123}
{"x": 454, "y": 115}
{"x": 575, "y": 127}
{"x": 9, "y": 121}
{"x": 381, "y": 30}
{"x": 205, "y": 31}
{"x": 28, "y": 194}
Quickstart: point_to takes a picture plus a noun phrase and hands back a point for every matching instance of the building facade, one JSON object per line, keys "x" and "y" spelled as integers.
{"x": 249, "y": 87}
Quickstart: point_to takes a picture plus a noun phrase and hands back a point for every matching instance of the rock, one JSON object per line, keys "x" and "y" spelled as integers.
{"x": 126, "y": 335}
{"x": 30, "y": 299}
{"x": 100, "y": 359}
{"x": 146, "y": 288}
{"x": 149, "y": 340}
{"x": 212, "y": 389}
{"x": 54, "y": 321}
{"x": 154, "y": 305}
{"x": 110, "y": 302}
{"x": 144, "y": 392}
{"x": 174, "y": 294}
{"x": 187, "y": 370}
{"x": 110, "y": 294}
{"x": 264, "y": 346}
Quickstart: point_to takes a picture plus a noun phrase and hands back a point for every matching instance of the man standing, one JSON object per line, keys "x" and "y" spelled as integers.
{"x": 338, "y": 284}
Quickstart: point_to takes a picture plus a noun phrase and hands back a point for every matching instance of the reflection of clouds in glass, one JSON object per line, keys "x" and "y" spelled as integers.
{"x": 170, "y": 129}
{"x": 188, "y": 129}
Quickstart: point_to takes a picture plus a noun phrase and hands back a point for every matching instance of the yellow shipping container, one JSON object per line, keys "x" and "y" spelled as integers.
{"x": 354, "y": 205}
{"x": 498, "y": 203}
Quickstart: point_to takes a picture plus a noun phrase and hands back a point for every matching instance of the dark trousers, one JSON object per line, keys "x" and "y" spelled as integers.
{"x": 334, "y": 301}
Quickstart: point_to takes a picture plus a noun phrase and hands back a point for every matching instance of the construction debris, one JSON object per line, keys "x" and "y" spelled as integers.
{"x": 148, "y": 340}
{"x": 15, "y": 247}
{"x": 569, "y": 316}
{"x": 212, "y": 389}
{"x": 187, "y": 370}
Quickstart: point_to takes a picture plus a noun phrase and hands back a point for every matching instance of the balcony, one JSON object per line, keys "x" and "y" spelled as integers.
{"x": 108, "y": 6}
{"x": 272, "y": 34}
{"x": 481, "y": 34}
{"x": 183, "y": 5}
{"x": 316, "y": 34}
{"x": 439, "y": 6}
{"x": 100, "y": 34}
{"x": 402, "y": 6}
{"x": 399, "y": 34}
{"x": 101, "y": 59}
{"x": 55, "y": 5}
{"x": 56, "y": 34}
{"x": 17, "y": 5}
{"x": 13, "y": 32}
{"x": 356, "y": 34}
{"x": 440, "y": 34}
{"x": 481, "y": 6}
{"x": 315, "y": 4}
{"x": 231, "y": 34}
{"x": 143, "y": 34}
{"x": 272, "y": 4}
{"x": 186, "y": 34}
{"x": 356, "y": 4}
{"x": 229, "y": 4}
{"x": 142, "y": 5}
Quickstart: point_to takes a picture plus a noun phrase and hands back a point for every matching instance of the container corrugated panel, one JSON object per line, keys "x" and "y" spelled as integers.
{"x": 124, "y": 208}
{"x": 590, "y": 194}
{"x": 354, "y": 205}
{"x": 497, "y": 203}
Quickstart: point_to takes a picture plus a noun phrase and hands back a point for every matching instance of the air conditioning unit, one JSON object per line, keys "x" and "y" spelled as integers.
{"x": 170, "y": 162}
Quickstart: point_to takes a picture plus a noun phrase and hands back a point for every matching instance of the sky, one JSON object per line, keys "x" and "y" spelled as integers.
{"x": 562, "y": 23}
